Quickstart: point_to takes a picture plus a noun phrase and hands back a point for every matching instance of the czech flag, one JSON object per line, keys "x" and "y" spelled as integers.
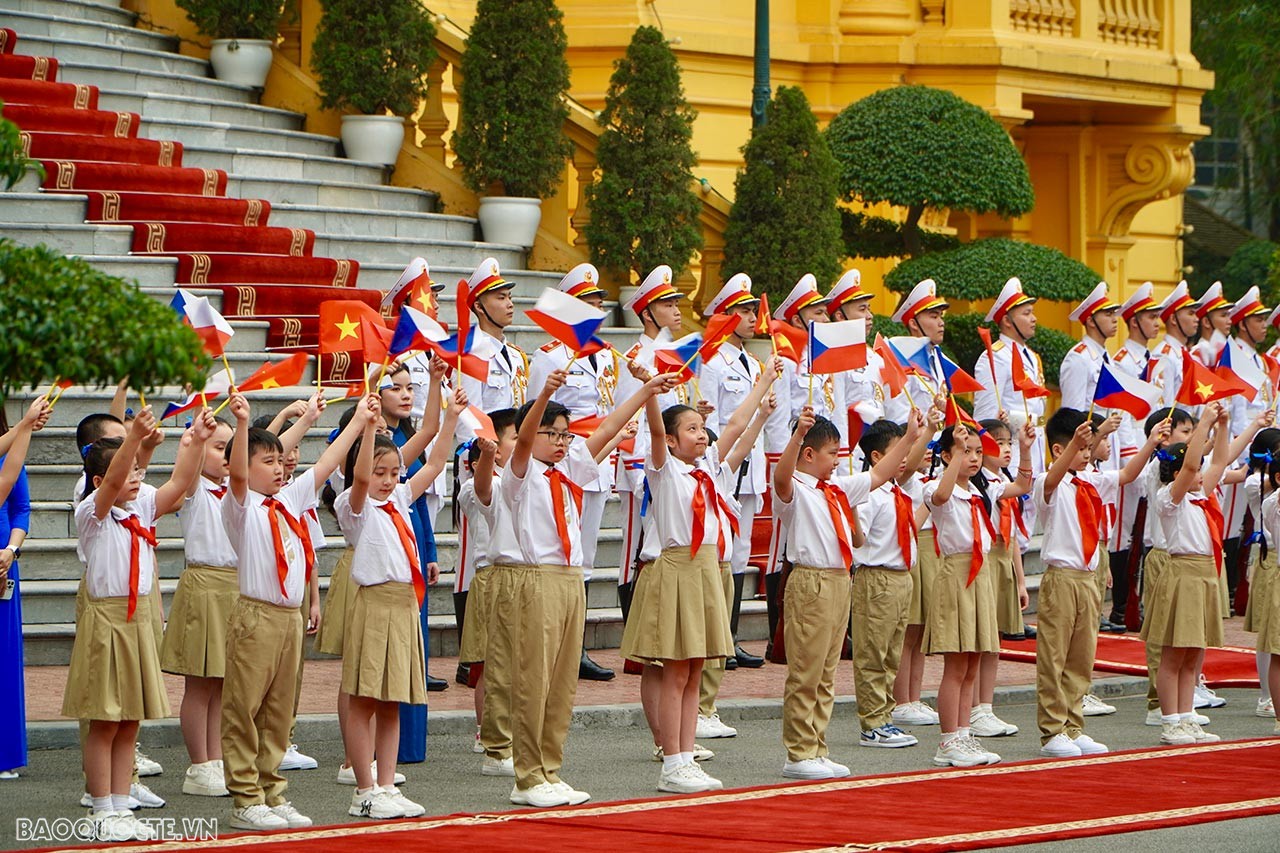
{"x": 958, "y": 380}
{"x": 835, "y": 347}
{"x": 201, "y": 316}
{"x": 415, "y": 331}
{"x": 1238, "y": 365}
{"x": 679, "y": 357}
{"x": 474, "y": 355}
{"x": 281, "y": 375}
{"x": 1118, "y": 390}
{"x": 856, "y": 426}
{"x": 217, "y": 384}
{"x": 566, "y": 318}
{"x": 913, "y": 355}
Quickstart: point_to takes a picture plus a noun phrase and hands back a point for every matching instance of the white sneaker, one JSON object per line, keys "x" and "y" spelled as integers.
{"x": 838, "y": 771}
{"x": 1201, "y": 736}
{"x": 1175, "y": 734}
{"x": 347, "y": 775}
{"x": 924, "y": 708}
{"x": 87, "y": 802}
{"x": 1199, "y": 719}
{"x": 141, "y": 831}
{"x": 576, "y": 797}
{"x": 1206, "y": 698}
{"x": 1060, "y": 746}
{"x": 808, "y": 768}
{"x": 1266, "y": 708}
{"x": 711, "y": 727}
{"x": 110, "y": 826}
{"x": 888, "y": 736}
{"x": 294, "y": 760}
{"x": 685, "y": 779}
{"x": 974, "y": 745}
{"x": 911, "y": 715}
{"x": 145, "y": 797}
{"x": 701, "y": 753}
{"x": 716, "y": 784}
{"x": 1095, "y": 707}
{"x": 954, "y": 753}
{"x": 204, "y": 780}
{"x": 407, "y": 806}
{"x": 476, "y": 746}
{"x": 1153, "y": 717}
{"x": 541, "y": 796}
{"x": 1089, "y": 746}
{"x": 257, "y": 816}
{"x": 144, "y": 765}
{"x": 296, "y": 819}
{"x": 986, "y": 724}
{"x": 375, "y": 803}
{"x": 498, "y": 766}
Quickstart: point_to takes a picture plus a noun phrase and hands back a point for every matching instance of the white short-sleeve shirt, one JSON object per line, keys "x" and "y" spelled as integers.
{"x": 249, "y": 529}
{"x": 878, "y": 516}
{"x": 953, "y": 521}
{"x": 812, "y": 539}
{"x": 532, "y": 511}
{"x": 203, "y": 533}
{"x": 379, "y": 556}
{"x": 1185, "y": 524}
{"x": 106, "y": 544}
{"x": 1063, "y": 546}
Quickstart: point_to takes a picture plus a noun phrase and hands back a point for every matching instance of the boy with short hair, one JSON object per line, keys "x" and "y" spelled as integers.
{"x": 1071, "y": 501}
{"x": 264, "y": 521}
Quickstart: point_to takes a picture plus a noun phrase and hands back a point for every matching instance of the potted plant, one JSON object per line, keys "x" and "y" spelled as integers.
{"x": 243, "y": 33}
{"x": 510, "y": 139}
{"x": 371, "y": 60}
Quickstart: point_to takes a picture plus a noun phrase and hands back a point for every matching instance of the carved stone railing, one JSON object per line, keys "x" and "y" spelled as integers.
{"x": 1136, "y": 23}
{"x": 1043, "y": 17}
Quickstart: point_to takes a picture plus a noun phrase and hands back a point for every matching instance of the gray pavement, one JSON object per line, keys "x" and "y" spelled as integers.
{"x": 611, "y": 759}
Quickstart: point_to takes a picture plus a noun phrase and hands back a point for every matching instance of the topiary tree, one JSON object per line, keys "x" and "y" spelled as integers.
{"x": 978, "y": 270}
{"x": 784, "y": 221}
{"x": 372, "y": 58}
{"x": 512, "y": 109}
{"x": 917, "y": 147}
{"x": 1249, "y": 265}
{"x": 64, "y": 318}
{"x": 644, "y": 211}
{"x": 235, "y": 19}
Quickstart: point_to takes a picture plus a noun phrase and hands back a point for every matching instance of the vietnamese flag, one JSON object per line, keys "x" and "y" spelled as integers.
{"x": 584, "y": 427}
{"x": 891, "y": 374}
{"x": 956, "y": 414}
{"x": 280, "y": 375}
{"x": 985, "y": 334}
{"x": 789, "y": 341}
{"x": 719, "y": 329}
{"x": 1201, "y": 385}
{"x": 763, "y": 317}
{"x": 375, "y": 340}
{"x": 340, "y": 324}
{"x": 1273, "y": 371}
{"x": 463, "y": 304}
{"x": 1021, "y": 382}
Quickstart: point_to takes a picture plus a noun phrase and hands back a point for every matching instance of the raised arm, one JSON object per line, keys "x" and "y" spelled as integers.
{"x": 482, "y": 473}
{"x": 238, "y": 469}
{"x": 20, "y": 440}
{"x": 921, "y": 446}
{"x": 1080, "y": 439}
{"x": 890, "y": 463}
{"x": 1022, "y": 484}
{"x": 951, "y": 473}
{"x": 121, "y": 467}
{"x": 440, "y": 451}
{"x": 294, "y": 410}
{"x": 1195, "y": 455}
{"x": 1133, "y": 468}
{"x": 120, "y": 401}
{"x": 785, "y": 469}
{"x": 186, "y": 467}
{"x": 628, "y": 430}
{"x": 362, "y": 473}
{"x": 335, "y": 454}
{"x": 304, "y": 420}
{"x": 741, "y": 448}
{"x": 657, "y": 432}
{"x": 626, "y": 410}
{"x": 523, "y": 451}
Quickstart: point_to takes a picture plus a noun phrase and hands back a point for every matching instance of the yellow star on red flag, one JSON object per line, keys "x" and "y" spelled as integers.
{"x": 1204, "y": 391}
{"x": 347, "y": 328}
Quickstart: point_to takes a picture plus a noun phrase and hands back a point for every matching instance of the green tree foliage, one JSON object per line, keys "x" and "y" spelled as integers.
{"x": 235, "y": 19}
{"x": 785, "y": 222}
{"x": 965, "y": 347}
{"x": 372, "y": 58}
{"x": 12, "y": 162}
{"x": 876, "y": 237}
{"x": 644, "y": 211}
{"x": 512, "y": 99}
{"x": 64, "y": 318}
{"x": 918, "y": 147}
{"x": 1250, "y": 265}
{"x": 979, "y": 269}
{"x": 1240, "y": 41}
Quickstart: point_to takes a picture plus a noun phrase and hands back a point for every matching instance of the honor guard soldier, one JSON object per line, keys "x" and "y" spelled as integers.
{"x": 1214, "y": 314}
{"x": 493, "y": 308}
{"x": 921, "y": 311}
{"x": 863, "y": 389}
{"x": 1014, "y": 314}
{"x": 587, "y": 393}
{"x": 1178, "y": 313}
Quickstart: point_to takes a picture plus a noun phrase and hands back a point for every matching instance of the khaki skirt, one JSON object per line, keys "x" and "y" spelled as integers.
{"x": 922, "y": 575}
{"x": 961, "y": 618}
{"x": 680, "y": 612}
{"x": 1264, "y": 573}
{"x": 115, "y": 665}
{"x": 1264, "y": 600}
{"x": 1184, "y": 611}
{"x": 480, "y": 601}
{"x": 383, "y": 656}
{"x": 195, "y": 640}
{"x": 337, "y": 603}
{"x": 1008, "y": 608}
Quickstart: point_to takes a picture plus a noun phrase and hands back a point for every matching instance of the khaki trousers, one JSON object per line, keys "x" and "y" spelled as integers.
{"x": 881, "y": 604}
{"x": 1103, "y": 572}
{"x": 305, "y": 611}
{"x": 544, "y": 631}
{"x": 495, "y": 726}
{"x": 1066, "y": 642}
{"x": 1152, "y": 566}
{"x": 713, "y": 668}
{"x": 257, "y": 699}
{"x": 815, "y": 619}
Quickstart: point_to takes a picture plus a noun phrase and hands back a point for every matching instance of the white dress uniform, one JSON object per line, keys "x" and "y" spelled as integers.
{"x": 508, "y": 365}
{"x": 1132, "y": 358}
{"x": 923, "y": 297}
{"x": 1207, "y": 351}
{"x": 1082, "y": 365}
{"x": 1169, "y": 351}
{"x": 727, "y": 380}
{"x": 987, "y": 404}
{"x": 588, "y": 392}
{"x": 864, "y": 389}
{"x": 1241, "y": 410}
{"x": 629, "y": 480}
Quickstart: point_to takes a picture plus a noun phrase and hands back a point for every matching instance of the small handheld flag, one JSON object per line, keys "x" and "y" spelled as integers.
{"x": 280, "y": 375}
{"x": 763, "y": 319}
{"x": 415, "y": 331}
{"x": 788, "y": 341}
{"x": 891, "y": 372}
{"x": 477, "y": 423}
{"x": 958, "y": 380}
{"x": 1118, "y": 390}
{"x": 566, "y": 318}
{"x": 1234, "y": 365}
{"x": 203, "y": 318}
{"x": 719, "y": 329}
{"x": 217, "y": 384}
{"x": 1201, "y": 385}
{"x": 1021, "y": 382}
{"x": 679, "y": 357}
{"x": 835, "y": 347}
{"x": 340, "y": 324}
{"x": 956, "y": 414}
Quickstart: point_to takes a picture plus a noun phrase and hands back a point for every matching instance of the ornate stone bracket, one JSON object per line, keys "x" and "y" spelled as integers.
{"x": 1132, "y": 176}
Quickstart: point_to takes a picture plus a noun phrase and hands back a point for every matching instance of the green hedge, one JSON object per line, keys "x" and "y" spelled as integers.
{"x": 1250, "y": 265}
{"x": 978, "y": 271}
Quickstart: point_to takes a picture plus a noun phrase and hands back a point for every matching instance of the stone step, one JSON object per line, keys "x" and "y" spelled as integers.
{"x": 110, "y": 55}
{"x": 189, "y": 108}
{"x": 334, "y": 222}
{"x": 318, "y": 192}
{"x": 66, "y": 26}
{"x": 158, "y": 82}
{"x": 398, "y": 251}
{"x": 37, "y": 208}
{"x": 225, "y": 135}
{"x": 281, "y": 164}
{"x": 85, "y": 11}
{"x": 155, "y": 273}
{"x": 79, "y": 239}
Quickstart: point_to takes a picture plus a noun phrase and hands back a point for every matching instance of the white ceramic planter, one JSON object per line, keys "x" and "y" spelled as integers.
{"x": 243, "y": 61}
{"x": 505, "y": 219}
{"x": 373, "y": 139}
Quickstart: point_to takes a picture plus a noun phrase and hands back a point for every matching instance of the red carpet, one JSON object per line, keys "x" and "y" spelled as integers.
{"x": 930, "y": 811}
{"x": 214, "y": 268}
{"x": 28, "y": 67}
{"x": 66, "y": 120}
{"x": 261, "y": 301}
{"x": 161, "y": 207}
{"x": 8, "y": 38}
{"x": 1126, "y": 653}
{"x": 74, "y": 95}
{"x": 70, "y": 175}
{"x": 43, "y": 145}
{"x": 169, "y": 237}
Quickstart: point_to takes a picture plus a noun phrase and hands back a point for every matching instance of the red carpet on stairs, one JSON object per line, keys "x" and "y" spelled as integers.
{"x": 284, "y": 300}
{"x": 43, "y": 145}
{"x": 73, "y": 175}
{"x": 1126, "y": 653}
{"x": 8, "y": 38}
{"x": 162, "y": 207}
{"x": 37, "y": 92}
{"x": 28, "y": 67}
{"x": 985, "y": 807}
{"x": 168, "y": 237}
{"x": 226, "y": 268}
{"x": 66, "y": 120}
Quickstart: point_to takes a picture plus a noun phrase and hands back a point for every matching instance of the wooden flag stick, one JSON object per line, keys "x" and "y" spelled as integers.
{"x": 52, "y": 386}
{"x": 142, "y": 400}
{"x": 811, "y": 388}
{"x": 222, "y": 406}
{"x": 383, "y": 372}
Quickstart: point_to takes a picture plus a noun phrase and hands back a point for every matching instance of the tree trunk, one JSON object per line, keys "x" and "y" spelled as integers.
{"x": 911, "y": 231}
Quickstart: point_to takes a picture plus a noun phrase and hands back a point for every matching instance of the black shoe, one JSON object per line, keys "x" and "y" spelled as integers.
{"x": 730, "y": 662}
{"x": 435, "y": 685}
{"x": 463, "y": 675}
{"x": 1029, "y": 632}
{"x": 1012, "y": 637}
{"x": 747, "y": 660}
{"x": 1110, "y": 627}
{"x": 589, "y": 670}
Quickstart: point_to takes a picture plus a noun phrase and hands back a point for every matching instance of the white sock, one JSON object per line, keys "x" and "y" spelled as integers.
{"x": 686, "y": 758}
{"x": 120, "y": 802}
{"x": 364, "y": 791}
{"x": 1170, "y": 718}
{"x": 671, "y": 762}
{"x": 1264, "y": 668}
{"x": 985, "y": 707}
{"x": 963, "y": 731}
{"x": 1187, "y": 717}
{"x": 948, "y": 737}
{"x": 103, "y": 804}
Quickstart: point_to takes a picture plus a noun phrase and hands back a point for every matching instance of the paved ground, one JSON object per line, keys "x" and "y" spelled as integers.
{"x": 612, "y": 762}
